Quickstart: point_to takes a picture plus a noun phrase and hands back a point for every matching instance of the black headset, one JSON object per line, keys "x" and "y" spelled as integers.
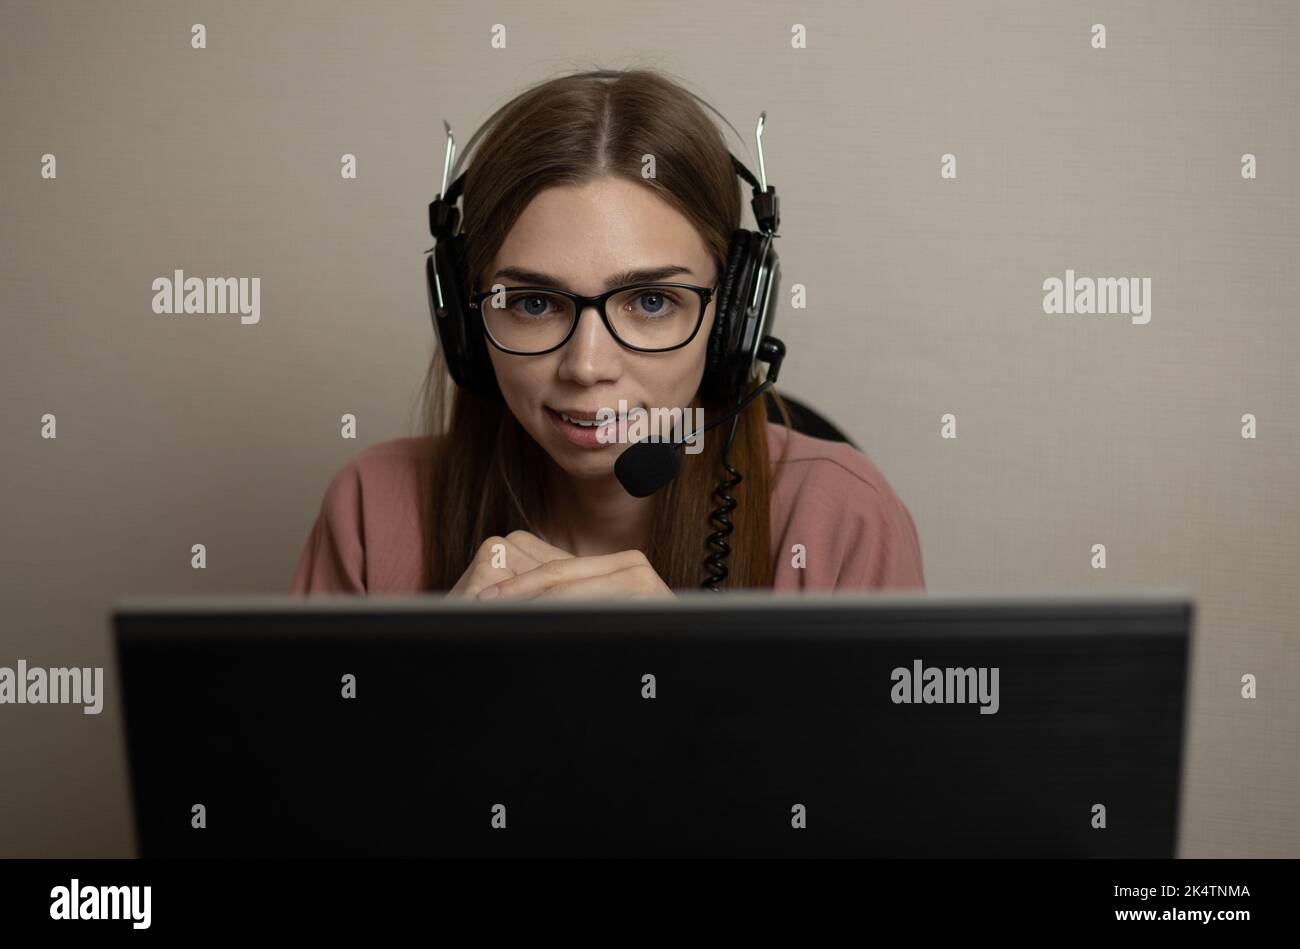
{"x": 744, "y": 312}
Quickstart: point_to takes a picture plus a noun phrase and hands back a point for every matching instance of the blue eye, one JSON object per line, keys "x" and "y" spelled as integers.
{"x": 531, "y": 312}
{"x": 533, "y": 305}
{"x": 666, "y": 304}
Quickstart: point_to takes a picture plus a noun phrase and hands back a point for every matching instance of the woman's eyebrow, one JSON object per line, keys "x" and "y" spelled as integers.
{"x": 538, "y": 279}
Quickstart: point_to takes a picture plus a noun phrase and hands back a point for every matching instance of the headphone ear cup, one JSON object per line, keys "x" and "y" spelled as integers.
{"x": 759, "y": 282}
{"x": 448, "y": 320}
{"x": 732, "y": 367}
{"x": 724, "y": 314}
{"x": 459, "y": 334}
{"x": 482, "y": 377}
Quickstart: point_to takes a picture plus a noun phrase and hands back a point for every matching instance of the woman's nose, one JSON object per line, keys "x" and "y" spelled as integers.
{"x": 591, "y": 354}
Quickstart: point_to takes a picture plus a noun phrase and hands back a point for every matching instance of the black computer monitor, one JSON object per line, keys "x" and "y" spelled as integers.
{"x": 744, "y": 724}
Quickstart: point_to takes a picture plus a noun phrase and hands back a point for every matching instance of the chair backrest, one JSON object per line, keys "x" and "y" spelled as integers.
{"x": 806, "y": 420}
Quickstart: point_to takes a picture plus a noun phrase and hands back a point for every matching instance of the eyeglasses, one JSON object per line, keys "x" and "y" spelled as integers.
{"x": 645, "y": 317}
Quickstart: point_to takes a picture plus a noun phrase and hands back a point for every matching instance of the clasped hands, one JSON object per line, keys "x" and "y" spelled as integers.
{"x": 522, "y": 566}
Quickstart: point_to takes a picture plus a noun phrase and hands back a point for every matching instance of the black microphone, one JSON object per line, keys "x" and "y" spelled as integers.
{"x": 645, "y": 467}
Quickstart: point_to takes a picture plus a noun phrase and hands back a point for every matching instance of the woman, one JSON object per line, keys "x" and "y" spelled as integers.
{"x": 514, "y": 496}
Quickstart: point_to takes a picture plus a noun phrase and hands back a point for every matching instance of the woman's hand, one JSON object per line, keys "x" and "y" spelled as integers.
{"x": 519, "y": 553}
{"x": 625, "y": 574}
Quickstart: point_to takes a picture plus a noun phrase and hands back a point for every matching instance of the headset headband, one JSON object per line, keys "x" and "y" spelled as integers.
{"x": 444, "y": 220}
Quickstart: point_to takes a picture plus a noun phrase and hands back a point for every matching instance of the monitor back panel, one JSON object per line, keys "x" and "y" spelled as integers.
{"x": 496, "y": 733}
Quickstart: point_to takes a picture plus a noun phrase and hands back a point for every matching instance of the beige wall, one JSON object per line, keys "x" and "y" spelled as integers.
{"x": 924, "y": 298}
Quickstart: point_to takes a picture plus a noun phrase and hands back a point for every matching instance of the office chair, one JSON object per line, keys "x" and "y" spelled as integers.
{"x": 806, "y": 420}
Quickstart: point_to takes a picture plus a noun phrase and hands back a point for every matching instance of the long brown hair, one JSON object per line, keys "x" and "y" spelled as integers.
{"x": 571, "y": 130}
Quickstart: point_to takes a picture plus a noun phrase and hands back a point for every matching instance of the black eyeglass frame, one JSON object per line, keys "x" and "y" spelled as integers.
{"x": 581, "y": 303}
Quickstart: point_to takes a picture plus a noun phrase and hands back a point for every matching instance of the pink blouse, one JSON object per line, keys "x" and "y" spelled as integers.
{"x": 854, "y": 532}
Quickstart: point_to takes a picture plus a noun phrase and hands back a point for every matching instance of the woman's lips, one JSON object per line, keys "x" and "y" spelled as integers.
{"x": 583, "y": 436}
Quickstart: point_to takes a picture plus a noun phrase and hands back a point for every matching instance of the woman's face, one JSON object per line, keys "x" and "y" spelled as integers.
{"x": 582, "y": 237}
